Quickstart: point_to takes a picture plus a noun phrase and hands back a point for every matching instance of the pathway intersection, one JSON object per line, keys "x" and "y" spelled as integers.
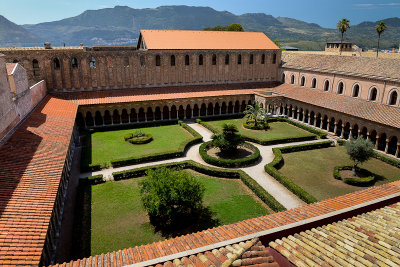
{"x": 256, "y": 171}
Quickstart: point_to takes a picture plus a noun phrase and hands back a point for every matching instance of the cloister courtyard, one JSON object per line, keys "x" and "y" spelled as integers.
{"x": 111, "y": 216}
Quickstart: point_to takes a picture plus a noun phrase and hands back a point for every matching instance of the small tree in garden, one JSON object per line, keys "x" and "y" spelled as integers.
{"x": 171, "y": 197}
{"x": 229, "y": 140}
{"x": 256, "y": 113}
{"x": 359, "y": 150}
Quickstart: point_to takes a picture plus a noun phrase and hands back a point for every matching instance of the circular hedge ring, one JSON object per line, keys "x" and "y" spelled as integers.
{"x": 260, "y": 126}
{"x": 229, "y": 163}
{"x": 141, "y": 140}
{"x": 368, "y": 180}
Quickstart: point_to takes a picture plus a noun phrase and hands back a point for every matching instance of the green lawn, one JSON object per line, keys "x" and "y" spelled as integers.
{"x": 107, "y": 146}
{"x": 118, "y": 219}
{"x": 313, "y": 171}
{"x": 277, "y": 130}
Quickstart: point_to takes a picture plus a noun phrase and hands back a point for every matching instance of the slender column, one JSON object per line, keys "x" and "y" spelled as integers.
{"x": 145, "y": 116}
{"x": 184, "y": 114}
{"x": 328, "y": 122}
{"x": 315, "y": 120}
{"x": 350, "y": 133}
{"x": 304, "y": 116}
{"x": 335, "y": 128}
{"x": 359, "y": 133}
{"x": 293, "y": 113}
{"x": 367, "y": 136}
{"x": 192, "y": 114}
{"x": 129, "y": 118}
{"x": 387, "y": 145}
{"x": 137, "y": 117}
{"x": 120, "y": 119}
{"x": 162, "y": 115}
{"x": 220, "y": 110}
{"x": 342, "y": 133}
{"x": 177, "y": 114}
{"x": 397, "y": 150}
{"x": 112, "y": 119}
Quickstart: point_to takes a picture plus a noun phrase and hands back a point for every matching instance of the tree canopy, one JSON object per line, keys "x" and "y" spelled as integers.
{"x": 255, "y": 113}
{"x": 342, "y": 27}
{"x": 234, "y": 27}
{"x": 229, "y": 140}
{"x": 359, "y": 150}
{"x": 380, "y": 28}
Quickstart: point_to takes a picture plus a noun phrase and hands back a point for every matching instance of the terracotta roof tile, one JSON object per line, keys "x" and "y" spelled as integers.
{"x": 203, "y": 40}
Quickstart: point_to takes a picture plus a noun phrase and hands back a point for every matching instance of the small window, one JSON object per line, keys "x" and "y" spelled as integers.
{"x": 283, "y": 78}
{"x": 263, "y": 59}
{"x": 200, "y": 60}
{"x": 373, "y": 94}
{"x": 227, "y": 60}
{"x": 303, "y": 81}
{"x": 314, "y": 83}
{"x": 187, "y": 60}
{"x": 292, "y": 79}
{"x": 356, "y": 90}
{"x": 172, "y": 59}
{"x": 239, "y": 62}
{"x": 142, "y": 61}
{"x": 214, "y": 59}
{"x": 340, "y": 88}
{"x": 56, "y": 63}
{"x": 92, "y": 63}
{"x": 35, "y": 65}
{"x": 274, "y": 59}
{"x": 158, "y": 60}
{"x": 74, "y": 63}
{"x": 393, "y": 98}
{"x": 326, "y": 85}
{"x": 251, "y": 59}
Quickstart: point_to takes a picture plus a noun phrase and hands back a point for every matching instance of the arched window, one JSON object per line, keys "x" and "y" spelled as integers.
{"x": 263, "y": 59}
{"x": 274, "y": 59}
{"x": 200, "y": 59}
{"x": 314, "y": 83}
{"x": 56, "y": 63}
{"x": 126, "y": 62}
{"x": 158, "y": 60}
{"x": 340, "y": 88}
{"x": 356, "y": 90}
{"x": 326, "y": 85}
{"x": 214, "y": 59}
{"x": 227, "y": 59}
{"x": 303, "y": 81}
{"x": 142, "y": 61}
{"x": 393, "y": 98}
{"x": 74, "y": 63}
{"x": 239, "y": 59}
{"x": 292, "y": 79}
{"x": 92, "y": 62}
{"x": 36, "y": 69}
{"x": 187, "y": 60}
{"x": 373, "y": 94}
{"x": 251, "y": 59}
{"x": 172, "y": 60}
{"x": 283, "y": 78}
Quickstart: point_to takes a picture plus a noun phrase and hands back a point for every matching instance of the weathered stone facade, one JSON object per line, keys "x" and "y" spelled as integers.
{"x": 91, "y": 69}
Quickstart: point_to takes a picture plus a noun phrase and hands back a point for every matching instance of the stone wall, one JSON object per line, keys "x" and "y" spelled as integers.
{"x": 91, "y": 69}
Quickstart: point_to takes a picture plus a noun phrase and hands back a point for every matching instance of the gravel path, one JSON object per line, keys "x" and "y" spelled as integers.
{"x": 256, "y": 171}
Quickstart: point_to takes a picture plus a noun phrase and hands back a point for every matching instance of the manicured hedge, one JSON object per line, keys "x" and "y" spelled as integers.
{"x": 272, "y": 168}
{"x": 365, "y": 181}
{"x": 228, "y": 163}
{"x": 265, "y": 142}
{"x": 320, "y": 134}
{"x": 217, "y": 172}
{"x": 135, "y": 125}
{"x": 160, "y": 156}
{"x": 95, "y": 179}
{"x": 141, "y": 140}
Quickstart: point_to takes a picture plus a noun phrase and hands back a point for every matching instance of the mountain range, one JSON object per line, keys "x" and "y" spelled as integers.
{"x": 121, "y": 25}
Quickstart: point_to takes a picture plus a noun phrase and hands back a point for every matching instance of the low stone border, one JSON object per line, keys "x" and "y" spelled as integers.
{"x": 365, "y": 181}
{"x": 229, "y": 163}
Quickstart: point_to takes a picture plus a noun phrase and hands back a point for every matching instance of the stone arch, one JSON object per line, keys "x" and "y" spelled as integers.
{"x": 216, "y": 109}
{"x": 98, "y": 119}
{"x": 392, "y": 145}
{"x": 251, "y": 60}
{"x": 107, "y": 118}
{"x": 80, "y": 121}
{"x": 210, "y": 109}
{"x": 364, "y": 132}
{"x": 116, "y": 117}
{"x": 314, "y": 82}
{"x": 203, "y": 110}
{"x": 283, "y": 77}
{"x": 325, "y": 122}
{"x": 327, "y": 84}
{"x": 188, "y": 111}
{"x": 339, "y": 128}
{"x": 240, "y": 108}
{"x": 340, "y": 88}
{"x": 158, "y": 60}
{"x": 346, "y": 130}
{"x": 393, "y": 97}
{"x": 196, "y": 111}
{"x": 307, "y": 116}
{"x": 201, "y": 60}
{"x": 230, "y": 107}
{"x": 124, "y": 116}
{"x": 172, "y": 60}
{"x": 239, "y": 59}
{"x": 181, "y": 112}
{"x": 382, "y": 142}
{"x": 292, "y": 79}
{"x": 157, "y": 114}
{"x": 74, "y": 63}
{"x": 303, "y": 81}
{"x": 373, "y": 93}
{"x": 187, "y": 60}
{"x": 372, "y": 136}
{"x": 318, "y": 120}
{"x": 92, "y": 62}
{"x": 133, "y": 115}
{"x": 214, "y": 59}
{"x": 274, "y": 58}
{"x": 56, "y": 63}
{"x": 36, "y": 68}
{"x": 263, "y": 59}
{"x": 227, "y": 59}
{"x": 300, "y": 116}
{"x": 356, "y": 90}
{"x": 331, "y": 127}
{"x": 173, "y": 113}
{"x": 223, "y": 108}
{"x": 149, "y": 114}
{"x": 166, "y": 113}
{"x": 354, "y": 131}
{"x": 141, "y": 115}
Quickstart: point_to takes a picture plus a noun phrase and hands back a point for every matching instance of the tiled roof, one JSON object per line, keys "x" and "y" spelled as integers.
{"x": 384, "y": 114}
{"x": 31, "y": 164}
{"x": 233, "y": 232}
{"x": 370, "y": 239}
{"x": 10, "y": 67}
{"x": 372, "y": 67}
{"x": 175, "y": 39}
{"x": 165, "y": 93}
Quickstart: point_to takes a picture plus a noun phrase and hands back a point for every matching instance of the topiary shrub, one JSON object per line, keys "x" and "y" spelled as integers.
{"x": 367, "y": 180}
{"x": 141, "y": 140}
{"x": 261, "y": 125}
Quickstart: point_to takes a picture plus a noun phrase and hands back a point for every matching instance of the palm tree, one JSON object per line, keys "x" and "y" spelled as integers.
{"x": 380, "y": 28}
{"x": 254, "y": 113}
{"x": 342, "y": 26}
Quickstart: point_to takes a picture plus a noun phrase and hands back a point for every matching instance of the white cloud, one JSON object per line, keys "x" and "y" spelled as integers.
{"x": 377, "y": 5}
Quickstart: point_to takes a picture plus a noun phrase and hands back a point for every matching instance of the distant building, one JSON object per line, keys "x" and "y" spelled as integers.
{"x": 289, "y": 48}
{"x": 335, "y": 46}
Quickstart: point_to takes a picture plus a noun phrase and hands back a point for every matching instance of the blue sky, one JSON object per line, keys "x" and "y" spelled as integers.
{"x": 324, "y": 12}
